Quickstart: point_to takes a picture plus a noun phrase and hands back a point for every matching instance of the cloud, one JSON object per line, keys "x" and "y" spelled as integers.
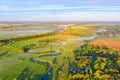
{"x": 59, "y": 10}
{"x": 73, "y": 16}
{"x": 60, "y": 7}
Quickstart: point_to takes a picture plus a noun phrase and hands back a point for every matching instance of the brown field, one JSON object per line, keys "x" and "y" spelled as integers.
{"x": 66, "y": 36}
{"x": 1, "y": 25}
{"x": 79, "y": 27}
{"x": 111, "y": 44}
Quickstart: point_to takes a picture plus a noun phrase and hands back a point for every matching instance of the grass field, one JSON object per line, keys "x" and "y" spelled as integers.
{"x": 34, "y": 64}
{"x": 81, "y": 31}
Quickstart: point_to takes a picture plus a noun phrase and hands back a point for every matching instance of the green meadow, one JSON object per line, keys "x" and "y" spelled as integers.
{"x": 47, "y": 56}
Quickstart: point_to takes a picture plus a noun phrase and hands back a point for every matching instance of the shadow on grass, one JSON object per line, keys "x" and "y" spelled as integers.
{"x": 2, "y": 54}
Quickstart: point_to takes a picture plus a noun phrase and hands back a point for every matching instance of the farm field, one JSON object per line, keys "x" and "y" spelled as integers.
{"x": 109, "y": 43}
{"x": 62, "y": 53}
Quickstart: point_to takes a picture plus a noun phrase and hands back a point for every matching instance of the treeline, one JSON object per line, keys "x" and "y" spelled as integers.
{"x": 5, "y": 41}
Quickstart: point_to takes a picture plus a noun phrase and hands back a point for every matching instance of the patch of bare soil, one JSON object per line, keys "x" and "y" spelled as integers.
{"x": 111, "y": 44}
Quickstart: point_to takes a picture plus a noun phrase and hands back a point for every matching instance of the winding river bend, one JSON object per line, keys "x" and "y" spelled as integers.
{"x": 48, "y": 73}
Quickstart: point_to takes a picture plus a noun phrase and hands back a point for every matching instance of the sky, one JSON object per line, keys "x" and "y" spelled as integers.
{"x": 59, "y": 10}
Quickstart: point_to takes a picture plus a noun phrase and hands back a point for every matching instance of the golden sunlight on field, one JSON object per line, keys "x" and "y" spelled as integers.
{"x": 1, "y": 25}
{"x": 66, "y": 36}
{"x": 111, "y": 44}
{"x": 79, "y": 27}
